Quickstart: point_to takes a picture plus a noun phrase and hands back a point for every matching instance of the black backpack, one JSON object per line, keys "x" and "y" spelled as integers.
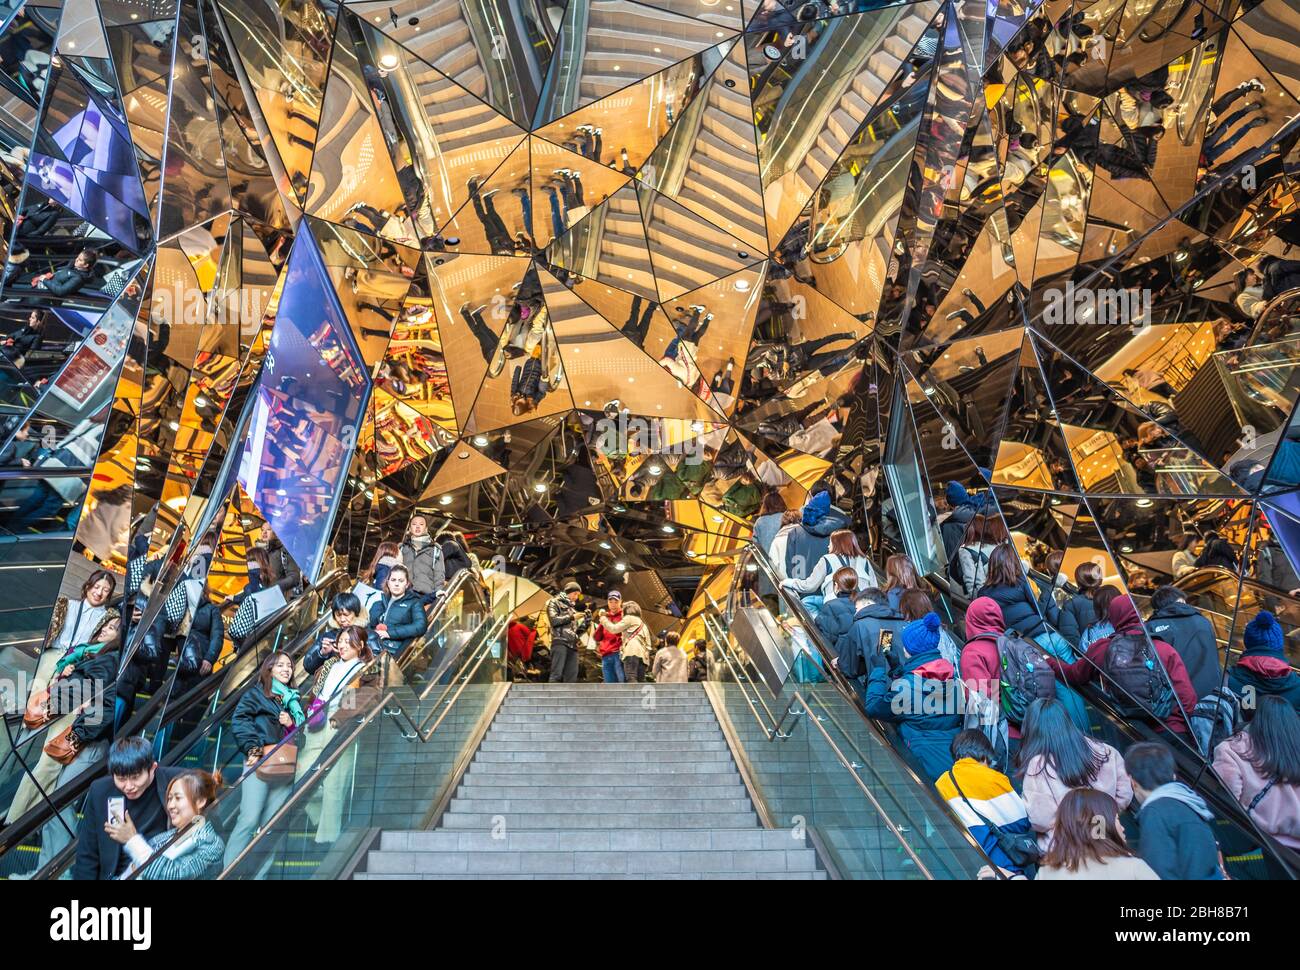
{"x": 1135, "y": 678}
{"x": 1026, "y": 675}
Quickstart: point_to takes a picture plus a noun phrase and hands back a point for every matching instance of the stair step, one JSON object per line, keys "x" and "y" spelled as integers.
{"x": 806, "y": 876}
{"x": 512, "y": 779}
{"x": 648, "y": 746}
{"x": 739, "y": 862}
{"x": 592, "y": 840}
{"x": 614, "y": 806}
{"x": 568, "y": 820}
{"x": 574, "y": 754}
{"x": 599, "y": 794}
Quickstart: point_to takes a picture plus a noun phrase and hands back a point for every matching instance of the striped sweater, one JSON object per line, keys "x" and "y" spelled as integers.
{"x": 988, "y": 793}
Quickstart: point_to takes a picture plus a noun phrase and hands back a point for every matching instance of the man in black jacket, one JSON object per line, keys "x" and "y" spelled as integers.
{"x": 861, "y": 646}
{"x": 1174, "y": 834}
{"x": 565, "y": 623}
{"x": 135, "y": 778}
{"x": 1182, "y": 626}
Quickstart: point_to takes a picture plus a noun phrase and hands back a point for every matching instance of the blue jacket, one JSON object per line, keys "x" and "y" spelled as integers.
{"x": 405, "y": 619}
{"x": 924, "y": 683}
{"x": 1019, "y": 610}
{"x": 808, "y": 542}
{"x": 859, "y": 650}
{"x": 834, "y": 620}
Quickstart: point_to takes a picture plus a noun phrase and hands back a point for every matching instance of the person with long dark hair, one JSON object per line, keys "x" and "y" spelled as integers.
{"x": 265, "y": 716}
{"x": 1260, "y": 765}
{"x": 1082, "y": 849}
{"x": 1055, "y": 756}
{"x": 900, "y": 576}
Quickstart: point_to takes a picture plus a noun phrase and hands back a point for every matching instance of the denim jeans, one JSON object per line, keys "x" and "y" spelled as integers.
{"x": 611, "y": 666}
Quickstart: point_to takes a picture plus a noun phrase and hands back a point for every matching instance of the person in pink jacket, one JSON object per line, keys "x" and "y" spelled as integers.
{"x": 1261, "y": 767}
{"x": 981, "y": 668}
{"x": 1055, "y": 757}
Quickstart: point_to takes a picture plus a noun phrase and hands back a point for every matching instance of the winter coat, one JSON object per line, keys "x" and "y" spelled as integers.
{"x": 91, "y": 678}
{"x": 859, "y": 650}
{"x": 953, "y": 529}
{"x": 98, "y": 855}
{"x": 1265, "y": 674}
{"x": 455, "y": 559}
{"x": 834, "y": 620}
{"x": 633, "y": 635}
{"x": 928, "y": 736}
{"x": 69, "y": 280}
{"x": 972, "y": 566}
{"x": 1082, "y": 614}
{"x": 1125, "y": 620}
{"x": 284, "y": 571}
{"x": 1174, "y": 834}
{"x": 563, "y": 619}
{"x": 207, "y": 633}
{"x": 315, "y": 658}
{"x": 809, "y": 541}
{"x": 1063, "y": 620}
{"x": 1115, "y": 868}
{"x": 1184, "y": 628}
{"x": 256, "y": 721}
{"x": 1217, "y": 552}
{"x": 404, "y": 618}
{"x": 1019, "y": 608}
{"x": 1043, "y": 790}
{"x": 195, "y": 855}
{"x": 821, "y": 581}
{"x": 1278, "y": 811}
{"x": 986, "y": 795}
{"x": 428, "y": 572}
{"x": 670, "y": 666}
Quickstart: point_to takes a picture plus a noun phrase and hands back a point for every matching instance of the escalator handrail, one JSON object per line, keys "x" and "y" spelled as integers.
{"x": 1286, "y": 296}
{"x": 39, "y": 815}
{"x": 1230, "y": 810}
{"x": 55, "y": 867}
{"x": 840, "y": 683}
{"x": 388, "y": 699}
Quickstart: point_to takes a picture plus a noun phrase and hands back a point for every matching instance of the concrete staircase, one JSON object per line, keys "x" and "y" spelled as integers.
{"x": 596, "y": 781}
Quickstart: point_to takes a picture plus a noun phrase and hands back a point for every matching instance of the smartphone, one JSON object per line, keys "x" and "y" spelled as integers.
{"x": 116, "y": 811}
{"x": 886, "y": 640}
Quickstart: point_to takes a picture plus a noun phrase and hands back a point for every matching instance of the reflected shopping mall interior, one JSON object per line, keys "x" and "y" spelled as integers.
{"x": 596, "y": 291}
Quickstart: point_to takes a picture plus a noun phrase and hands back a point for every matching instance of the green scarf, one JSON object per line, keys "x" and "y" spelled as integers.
{"x": 288, "y": 698}
{"x": 77, "y": 654}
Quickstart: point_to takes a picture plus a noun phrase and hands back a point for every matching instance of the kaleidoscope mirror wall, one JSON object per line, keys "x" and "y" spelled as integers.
{"x": 587, "y": 280}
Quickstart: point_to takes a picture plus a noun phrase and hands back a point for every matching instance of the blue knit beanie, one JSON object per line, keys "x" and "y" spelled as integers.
{"x": 1264, "y": 634}
{"x": 956, "y": 494}
{"x": 921, "y": 636}
{"x": 817, "y": 507}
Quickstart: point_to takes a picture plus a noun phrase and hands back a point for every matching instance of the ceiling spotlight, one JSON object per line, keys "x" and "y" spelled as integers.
{"x": 480, "y": 441}
{"x": 281, "y": 492}
{"x": 656, "y": 469}
{"x": 174, "y": 425}
{"x": 390, "y": 500}
{"x": 750, "y": 567}
{"x": 1126, "y": 548}
{"x": 691, "y": 553}
{"x": 621, "y": 566}
{"x": 668, "y": 528}
{"x": 444, "y": 500}
{"x": 1145, "y": 503}
{"x": 742, "y": 285}
{"x": 606, "y": 545}
{"x": 388, "y": 61}
{"x": 718, "y": 518}
{"x": 200, "y": 401}
{"x": 539, "y": 487}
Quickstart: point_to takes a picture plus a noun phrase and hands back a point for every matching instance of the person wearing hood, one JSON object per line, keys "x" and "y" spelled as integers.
{"x": 398, "y": 617}
{"x": 811, "y": 538}
{"x": 981, "y": 664}
{"x": 1174, "y": 838}
{"x": 927, "y": 724}
{"x": 1124, "y": 618}
{"x": 1182, "y": 626}
{"x": 874, "y": 625}
{"x": 1261, "y": 767}
{"x": 1263, "y": 669}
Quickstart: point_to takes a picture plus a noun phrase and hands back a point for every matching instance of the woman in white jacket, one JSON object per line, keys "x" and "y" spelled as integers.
{"x": 776, "y": 553}
{"x": 635, "y": 649}
{"x": 820, "y": 584}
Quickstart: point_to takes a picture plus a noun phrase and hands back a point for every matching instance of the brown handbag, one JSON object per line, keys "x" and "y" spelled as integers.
{"x": 61, "y": 748}
{"x": 281, "y": 766}
{"x": 38, "y": 713}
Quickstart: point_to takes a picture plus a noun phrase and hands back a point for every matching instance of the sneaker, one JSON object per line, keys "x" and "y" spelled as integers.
{"x": 1254, "y": 84}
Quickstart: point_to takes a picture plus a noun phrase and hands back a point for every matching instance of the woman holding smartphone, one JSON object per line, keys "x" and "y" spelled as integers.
{"x": 263, "y": 718}
{"x": 190, "y": 846}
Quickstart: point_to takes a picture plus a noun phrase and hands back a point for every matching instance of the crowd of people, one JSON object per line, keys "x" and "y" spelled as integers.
{"x": 997, "y": 717}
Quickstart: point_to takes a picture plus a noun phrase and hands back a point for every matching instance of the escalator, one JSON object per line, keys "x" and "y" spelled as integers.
{"x": 1248, "y": 853}
{"x": 209, "y": 743}
{"x": 171, "y": 719}
{"x": 392, "y": 764}
{"x": 814, "y": 757}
